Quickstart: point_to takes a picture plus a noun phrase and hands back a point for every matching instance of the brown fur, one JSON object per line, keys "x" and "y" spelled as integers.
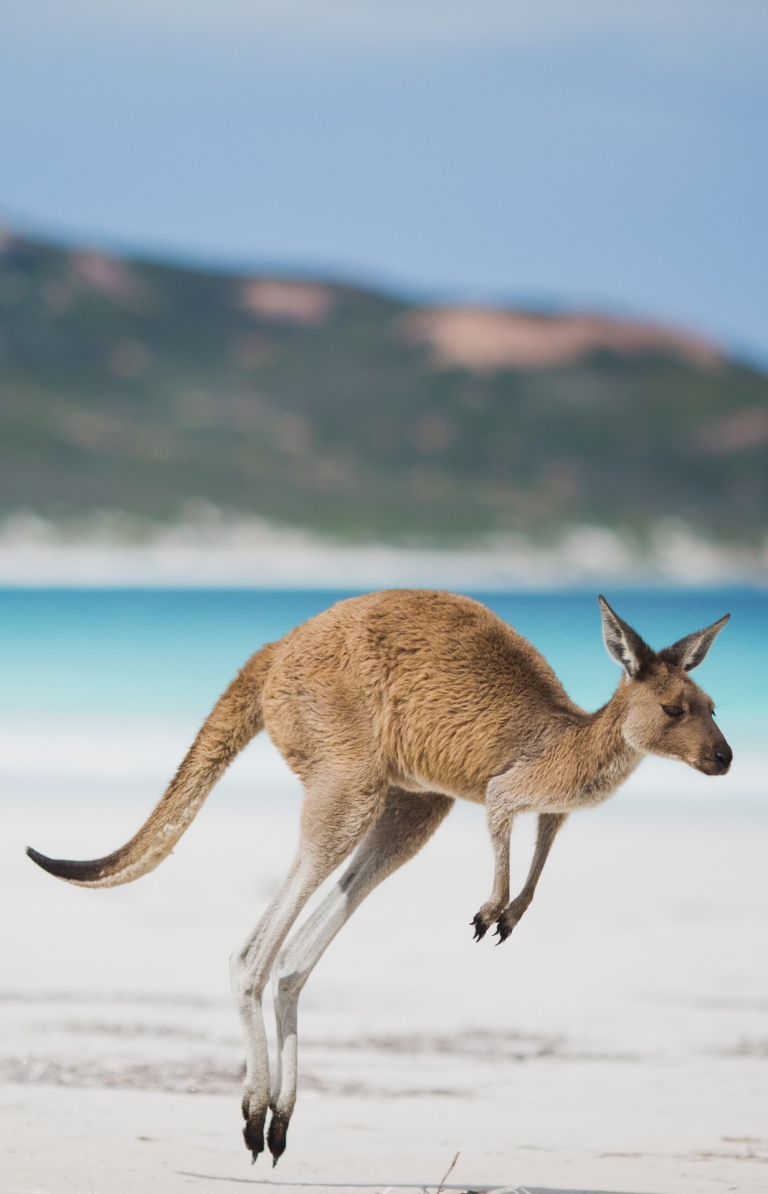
{"x": 388, "y": 707}
{"x": 236, "y": 718}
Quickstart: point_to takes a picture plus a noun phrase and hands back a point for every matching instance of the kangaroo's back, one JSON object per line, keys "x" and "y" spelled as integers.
{"x": 431, "y": 684}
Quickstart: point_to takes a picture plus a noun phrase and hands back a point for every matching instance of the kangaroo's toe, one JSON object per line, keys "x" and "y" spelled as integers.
{"x": 480, "y": 927}
{"x": 502, "y": 930}
{"x": 509, "y": 918}
{"x": 253, "y": 1135}
{"x": 278, "y": 1128}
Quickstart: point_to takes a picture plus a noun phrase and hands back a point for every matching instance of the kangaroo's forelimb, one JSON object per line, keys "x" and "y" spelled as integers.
{"x": 500, "y": 828}
{"x": 498, "y": 908}
{"x": 549, "y": 824}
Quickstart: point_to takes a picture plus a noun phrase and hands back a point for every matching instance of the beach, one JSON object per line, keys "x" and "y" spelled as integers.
{"x": 618, "y": 1041}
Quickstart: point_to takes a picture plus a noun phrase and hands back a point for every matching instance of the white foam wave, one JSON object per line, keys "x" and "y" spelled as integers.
{"x": 209, "y": 550}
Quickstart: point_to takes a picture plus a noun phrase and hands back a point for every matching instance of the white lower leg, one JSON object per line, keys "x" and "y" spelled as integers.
{"x": 403, "y": 828}
{"x": 249, "y": 969}
{"x": 291, "y": 971}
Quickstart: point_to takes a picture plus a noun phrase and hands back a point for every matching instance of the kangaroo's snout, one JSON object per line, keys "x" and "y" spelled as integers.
{"x": 723, "y": 758}
{"x": 717, "y": 760}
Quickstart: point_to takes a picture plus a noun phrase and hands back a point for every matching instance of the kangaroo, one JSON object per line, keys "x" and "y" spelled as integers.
{"x": 389, "y": 707}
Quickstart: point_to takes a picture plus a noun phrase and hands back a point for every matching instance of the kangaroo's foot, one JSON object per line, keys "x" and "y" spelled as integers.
{"x": 479, "y": 925}
{"x": 482, "y": 920}
{"x": 509, "y": 918}
{"x": 253, "y": 1132}
{"x": 278, "y": 1128}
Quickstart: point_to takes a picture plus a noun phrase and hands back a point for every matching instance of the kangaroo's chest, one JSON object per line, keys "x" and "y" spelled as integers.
{"x": 594, "y": 788}
{"x": 558, "y": 782}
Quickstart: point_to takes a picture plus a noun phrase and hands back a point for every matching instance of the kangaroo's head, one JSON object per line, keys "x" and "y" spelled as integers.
{"x": 665, "y": 713}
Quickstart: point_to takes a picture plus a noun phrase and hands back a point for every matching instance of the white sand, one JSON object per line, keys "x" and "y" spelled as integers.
{"x": 618, "y": 1041}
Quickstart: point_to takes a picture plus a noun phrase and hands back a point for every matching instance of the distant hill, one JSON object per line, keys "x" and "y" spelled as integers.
{"x": 142, "y": 387}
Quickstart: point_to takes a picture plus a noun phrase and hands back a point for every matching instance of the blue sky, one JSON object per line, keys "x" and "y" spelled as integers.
{"x": 609, "y": 154}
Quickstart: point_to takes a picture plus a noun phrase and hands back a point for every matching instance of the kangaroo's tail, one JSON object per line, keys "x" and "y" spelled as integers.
{"x": 235, "y": 719}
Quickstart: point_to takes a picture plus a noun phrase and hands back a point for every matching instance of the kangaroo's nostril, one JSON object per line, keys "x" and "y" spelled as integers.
{"x": 724, "y": 757}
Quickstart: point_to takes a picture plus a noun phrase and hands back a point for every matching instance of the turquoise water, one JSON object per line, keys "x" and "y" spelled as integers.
{"x": 170, "y": 652}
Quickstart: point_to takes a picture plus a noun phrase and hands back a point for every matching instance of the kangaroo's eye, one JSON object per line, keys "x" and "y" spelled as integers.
{"x": 672, "y": 710}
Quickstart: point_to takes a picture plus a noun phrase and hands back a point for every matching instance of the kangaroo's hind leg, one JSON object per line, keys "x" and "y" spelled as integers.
{"x": 406, "y": 823}
{"x": 337, "y": 813}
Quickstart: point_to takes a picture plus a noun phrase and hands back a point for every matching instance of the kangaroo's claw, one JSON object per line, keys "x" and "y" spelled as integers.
{"x": 481, "y": 928}
{"x": 504, "y": 925}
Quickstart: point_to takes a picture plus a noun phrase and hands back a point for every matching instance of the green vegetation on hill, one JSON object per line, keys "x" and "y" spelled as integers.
{"x": 141, "y": 387}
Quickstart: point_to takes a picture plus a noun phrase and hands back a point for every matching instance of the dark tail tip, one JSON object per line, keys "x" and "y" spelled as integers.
{"x": 62, "y": 868}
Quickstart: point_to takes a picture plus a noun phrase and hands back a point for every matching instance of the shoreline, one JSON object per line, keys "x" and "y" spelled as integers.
{"x": 110, "y": 551}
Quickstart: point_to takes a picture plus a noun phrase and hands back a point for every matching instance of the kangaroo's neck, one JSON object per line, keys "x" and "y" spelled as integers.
{"x": 601, "y": 756}
{"x": 594, "y": 754}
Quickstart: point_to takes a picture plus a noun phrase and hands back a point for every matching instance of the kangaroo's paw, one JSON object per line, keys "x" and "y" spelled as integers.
{"x": 508, "y": 919}
{"x": 503, "y": 929}
{"x": 483, "y": 920}
{"x": 278, "y": 1127}
{"x": 480, "y": 926}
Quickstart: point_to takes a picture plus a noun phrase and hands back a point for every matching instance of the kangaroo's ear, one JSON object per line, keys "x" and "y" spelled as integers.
{"x": 623, "y": 643}
{"x": 690, "y": 651}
